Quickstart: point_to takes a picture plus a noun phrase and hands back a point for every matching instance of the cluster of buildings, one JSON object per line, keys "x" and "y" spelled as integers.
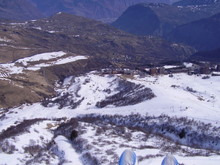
{"x": 189, "y": 68}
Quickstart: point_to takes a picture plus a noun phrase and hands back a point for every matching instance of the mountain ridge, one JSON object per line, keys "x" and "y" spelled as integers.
{"x": 202, "y": 34}
{"x": 195, "y": 2}
{"x": 18, "y": 10}
{"x": 103, "y": 10}
{"x": 95, "y": 38}
{"x": 138, "y": 19}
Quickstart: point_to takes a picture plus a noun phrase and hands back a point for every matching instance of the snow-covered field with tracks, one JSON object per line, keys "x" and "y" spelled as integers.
{"x": 40, "y": 133}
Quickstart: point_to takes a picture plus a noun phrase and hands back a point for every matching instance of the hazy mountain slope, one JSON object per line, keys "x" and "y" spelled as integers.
{"x": 102, "y": 9}
{"x": 83, "y": 36}
{"x": 212, "y": 55}
{"x": 139, "y": 20}
{"x": 203, "y": 34}
{"x": 156, "y": 19}
{"x": 105, "y": 10}
{"x": 208, "y": 6}
{"x": 18, "y": 10}
{"x": 195, "y": 2}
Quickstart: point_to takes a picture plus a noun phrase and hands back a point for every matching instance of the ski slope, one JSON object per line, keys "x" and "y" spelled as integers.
{"x": 178, "y": 96}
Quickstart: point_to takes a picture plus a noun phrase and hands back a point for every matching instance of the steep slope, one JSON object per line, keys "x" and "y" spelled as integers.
{"x": 156, "y": 19}
{"x": 203, "y": 34}
{"x": 138, "y": 19}
{"x": 18, "y": 10}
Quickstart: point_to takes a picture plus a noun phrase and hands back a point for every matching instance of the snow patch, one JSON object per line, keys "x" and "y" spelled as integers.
{"x": 4, "y": 39}
{"x": 49, "y": 59}
{"x": 42, "y": 56}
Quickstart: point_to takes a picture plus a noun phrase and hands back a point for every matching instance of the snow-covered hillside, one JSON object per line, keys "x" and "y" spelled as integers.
{"x": 91, "y": 121}
{"x": 181, "y": 95}
{"x": 36, "y": 62}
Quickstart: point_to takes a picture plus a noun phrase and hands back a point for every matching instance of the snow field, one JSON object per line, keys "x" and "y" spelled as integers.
{"x": 178, "y": 96}
{"x": 28, "y": 144}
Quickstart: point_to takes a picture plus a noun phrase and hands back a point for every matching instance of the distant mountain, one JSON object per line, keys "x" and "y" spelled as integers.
{"x": 105, "y": 10}
{"x": 18, "y": 10}
{"x": 195, "y": 2}
{"x": 84, "y": 36}
{"x": 203, "y": 34}
{"x": 212, "y": 56}
{"x": 155, "y": 18}
{"x": 97, "y": 9}
{"x": 208, "y": 6}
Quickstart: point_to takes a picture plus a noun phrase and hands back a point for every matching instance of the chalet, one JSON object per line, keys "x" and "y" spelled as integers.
{"x": 157, "y": 71}
{"x": 153, "y": 71}
{"x": 194, "y": 69}
{"x": 177, "y": 69}
{"x": 161, "y": 70}
{"x": 120, "y": 71}
{"x": 205, "y": 70}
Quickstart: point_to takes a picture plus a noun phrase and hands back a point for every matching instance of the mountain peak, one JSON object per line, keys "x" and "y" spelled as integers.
{"x": 203, "y": 34}
{"x": 156, "y": 18}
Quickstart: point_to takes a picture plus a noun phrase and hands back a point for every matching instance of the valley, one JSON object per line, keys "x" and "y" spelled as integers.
{"x": 24, "y": 45}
